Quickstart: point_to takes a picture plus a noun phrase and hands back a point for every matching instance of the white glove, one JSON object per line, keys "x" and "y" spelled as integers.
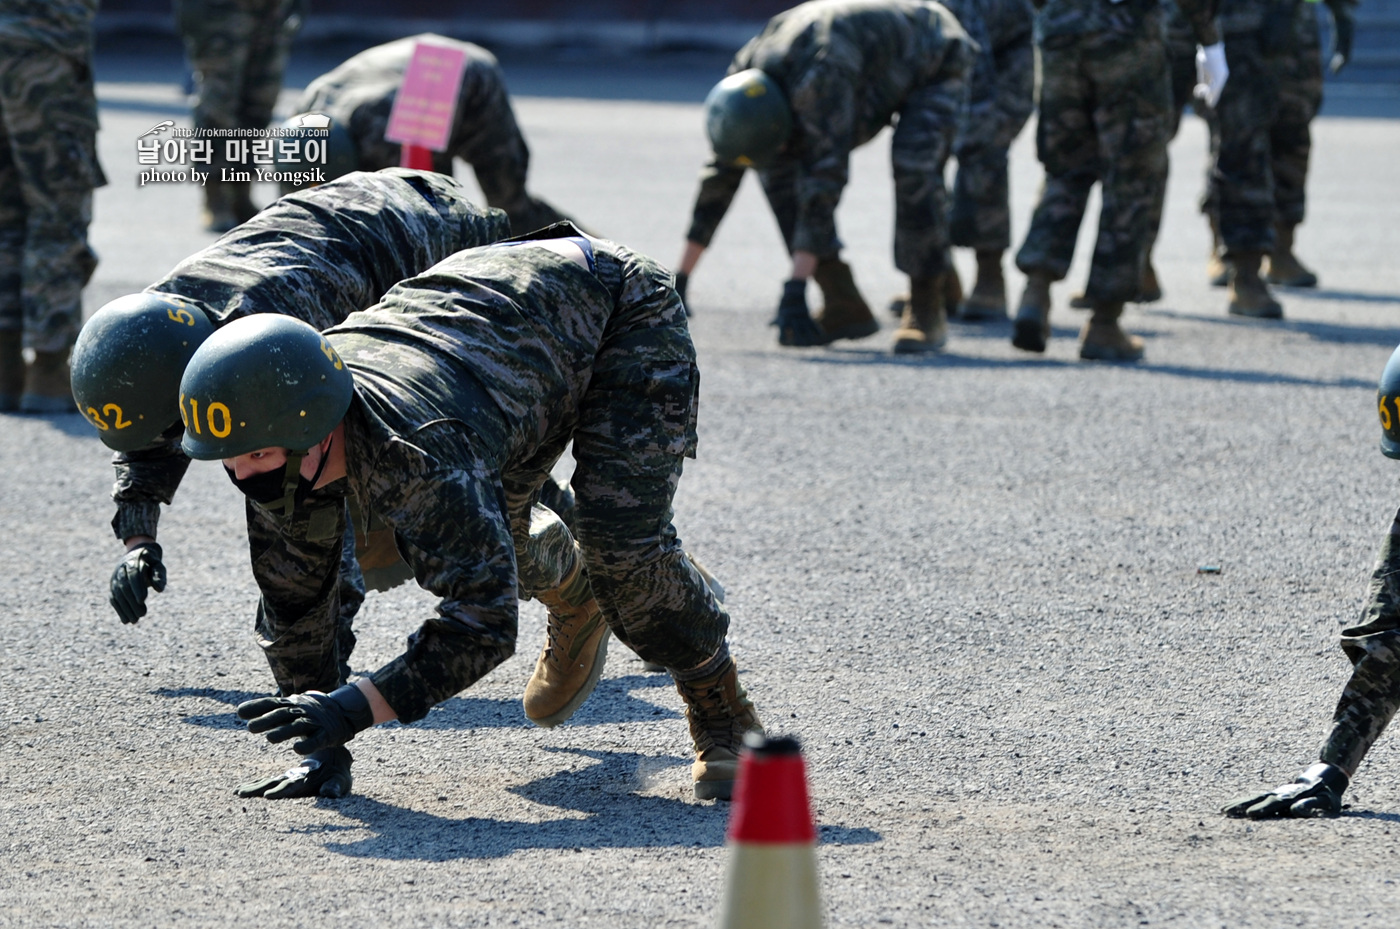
{"x": 1211, "y": 72}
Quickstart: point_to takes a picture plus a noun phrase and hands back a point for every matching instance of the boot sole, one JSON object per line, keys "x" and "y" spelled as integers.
{"x": 918, "y": 346}
{"x": 1266, "y": 313}
{"x": 1029, "y": 336}
{"x": 1091, "y": 353}
{"x": 1303, "y": 280}
{"x": 714, "y": 790}
{"x": 584, "y": 692}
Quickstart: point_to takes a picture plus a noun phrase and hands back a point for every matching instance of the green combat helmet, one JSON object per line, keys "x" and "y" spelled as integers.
{"x": 1388, "y": 396}
{"x": 340, "y": 153}
{"x": 127, "y": 364}
{"x": 747, "y": 118}
{"x": 264, "y": 381}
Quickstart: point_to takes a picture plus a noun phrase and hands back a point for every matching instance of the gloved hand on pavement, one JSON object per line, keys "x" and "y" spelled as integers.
{"x": 139, "y": 570}
{"x": 315, "y": 719}
{"x": 1211, "y": 72}
{"x": 1316, "y": 792}
{"x": 322, "y": 774}
{"x": 794, "y": 321}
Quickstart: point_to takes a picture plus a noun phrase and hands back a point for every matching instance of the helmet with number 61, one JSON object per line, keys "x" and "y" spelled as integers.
{"x": 1388, "y": 400}
{"x": 127, "y": 363}
{"x": 264, "y": 381}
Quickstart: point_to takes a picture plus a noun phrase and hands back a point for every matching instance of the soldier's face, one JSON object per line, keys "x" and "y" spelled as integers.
{"x": 270, "y": 459}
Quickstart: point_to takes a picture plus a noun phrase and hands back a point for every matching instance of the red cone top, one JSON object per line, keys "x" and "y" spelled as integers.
{"x": 770, "y": 798}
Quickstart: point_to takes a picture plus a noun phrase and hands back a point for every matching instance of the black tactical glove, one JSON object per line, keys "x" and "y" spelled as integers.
{"x": 1343, "y": 31}
{"x": 795, "y": 324}
{"x": 1316, "y": 792}
{"x": 323, "y": 774}
{"x": 682, "y": 279}
{"x": 319, "y": 720}
{"x": 139, "y": 570}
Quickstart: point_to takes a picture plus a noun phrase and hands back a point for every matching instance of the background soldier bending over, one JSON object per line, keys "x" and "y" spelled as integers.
{"x": 358, "y": 96}
{"x": 442, "y": 410}
{"x": 820, "y": 80}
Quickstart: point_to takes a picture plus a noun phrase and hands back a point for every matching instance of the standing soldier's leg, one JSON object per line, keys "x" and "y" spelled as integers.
{"x": 980, "y": 219}
{"x": 636, "y": 426}
{"x": 50, "y": 116}
{"x": 217, "y": 35}
{"x": 269, "y": 45}
{"x": 1132, "y": 91}
{"x": 1290, "y": 138}
{"x": 1181, "y": 57}
{"x": 1067, "y": 144}
{"x": 1243, "y": 175}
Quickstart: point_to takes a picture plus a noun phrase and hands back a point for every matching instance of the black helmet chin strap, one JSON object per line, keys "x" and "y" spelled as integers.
{"x": 291, "y": 477}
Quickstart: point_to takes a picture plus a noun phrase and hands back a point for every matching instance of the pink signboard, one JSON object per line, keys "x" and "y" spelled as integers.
{"x": 427, "y": 101}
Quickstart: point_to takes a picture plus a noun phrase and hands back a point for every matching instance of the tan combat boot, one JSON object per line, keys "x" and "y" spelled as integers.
{"x": 844, "y": 313}
{"x": 1284, "y": 267}
{"x": 1032, "y": 326}
{"x": 924, "y": 327}
{"x": 1103, "y": 339}
{"x": 575, "y": 650}
{"x": 47, "y": 387}
{"x": 1217, "y": 268}
{"x": 952, "y": 295}
{"x": 218, "y": 216}
{"x": 1249, "y": 295}
{"x": 719, "y": 713}
{"x": 11, "y": 369}
{"x": 988, "y": 298}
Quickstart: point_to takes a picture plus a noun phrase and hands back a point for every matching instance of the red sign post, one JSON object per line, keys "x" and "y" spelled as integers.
{"x": 424, "y": 107}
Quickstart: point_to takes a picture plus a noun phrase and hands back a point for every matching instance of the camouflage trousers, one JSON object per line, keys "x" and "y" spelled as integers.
{"x": 1372, "y": 696}
{"x": 48, "y": 169}
{"x": 1261, "y": 142}
{"x": 981, "y": 214}
{"x": 1182, "y": 61}
{"x": 1104, "y": 110}
{"x": 238, "y": 51}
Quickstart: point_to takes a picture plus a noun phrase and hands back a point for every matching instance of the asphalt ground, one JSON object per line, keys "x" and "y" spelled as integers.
{"x": 970, "y": 584}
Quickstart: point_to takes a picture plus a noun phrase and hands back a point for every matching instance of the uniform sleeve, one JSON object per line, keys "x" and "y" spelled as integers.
{"x": 824, "y": 109}
{"x": 146, "y": 478}
{"x": 1201, "y": 15}
{"x": 452, "y": 528}
{"x": 718, "y": 184}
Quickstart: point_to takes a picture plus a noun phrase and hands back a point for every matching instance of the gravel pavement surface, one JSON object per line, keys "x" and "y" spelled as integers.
{"x": 969, "y": 584}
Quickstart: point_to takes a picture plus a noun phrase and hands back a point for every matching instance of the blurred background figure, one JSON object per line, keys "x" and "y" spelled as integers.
{"x": 358, "y": 96}
{"x": 48, "y": 169}
{"x": 238, "y": 51}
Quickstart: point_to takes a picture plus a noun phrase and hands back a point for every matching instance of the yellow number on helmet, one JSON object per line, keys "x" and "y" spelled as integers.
{"x": 115, "y": 412}
{"x": 96, "y": 418}
{"x": 220, "y": 432}
{"x": 1385, "y": 414}
{"x": 181, "y": 315}
{"x": 330, "y": 354}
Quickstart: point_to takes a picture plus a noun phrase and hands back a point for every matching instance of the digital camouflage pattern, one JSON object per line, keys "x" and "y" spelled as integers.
{"x": 470, "y": 380}
{"x": 238, "y": 51}
{"x": 1370, "y": 699}
{"x": 850, "y": 68}
{"x": 1105, "y": 105}
{"x": 981, "y": 210}
{"x": 48, "y": 168}
{"x": 316, "y": 255}
{"x": 1261, "y": 135}
{"x": 359, "y": 95}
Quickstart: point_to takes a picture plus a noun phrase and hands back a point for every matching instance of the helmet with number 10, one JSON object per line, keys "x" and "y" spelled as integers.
{"x": 1388, "y": 400}
{"x": 127, "y": 364}
{"x": 264, "y": 381}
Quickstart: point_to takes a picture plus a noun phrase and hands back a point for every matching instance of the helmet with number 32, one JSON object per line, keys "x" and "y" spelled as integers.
{"x": 127, "y": 363}
{"x": 264, "y": 381}
{"x": 1388, "y": 401}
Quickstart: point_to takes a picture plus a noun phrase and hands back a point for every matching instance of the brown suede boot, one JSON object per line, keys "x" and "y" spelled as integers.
{"x": 952, "y": 296}
{"x": 924, "y": 327}
{"x": 1032, "y": 326}
{"x": 719, "y": 713}
{"x": 1217, "y": 268}
{"x": 988, "y": 298}
{"x": 1284, "y": 267}
{"x": 11, "y": 369}
{"x": 47, "y": 388}
{"x": 575, "y": 650}
{"x": 219, "y": 216}
{"x": 1103, "y": 339}
{"x": 844, "y": 313}
{"x": 1149, "y": 288}
{"x": 1249, "y": 295}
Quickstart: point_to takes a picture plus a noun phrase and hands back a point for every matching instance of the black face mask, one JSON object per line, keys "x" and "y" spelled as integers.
{"x": 270, "y": 487}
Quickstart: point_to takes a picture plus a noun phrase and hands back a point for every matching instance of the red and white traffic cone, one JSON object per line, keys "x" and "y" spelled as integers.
{"x": 772, "y": 880}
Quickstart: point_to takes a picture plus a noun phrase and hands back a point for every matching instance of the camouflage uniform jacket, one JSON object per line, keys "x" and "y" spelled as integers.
{"x": 846, "y": 67}
{"x": 465, "y": 375}
{"x": 1064, "y": 20}
{"x": 63, "y": 25}
{"x": 318, "y": 256}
